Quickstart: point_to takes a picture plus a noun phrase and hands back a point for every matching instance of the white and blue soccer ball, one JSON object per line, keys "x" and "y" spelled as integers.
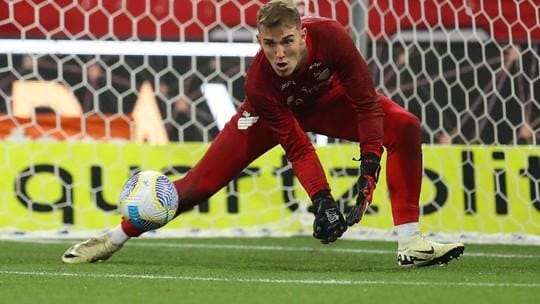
{"x": 148, "y": 200}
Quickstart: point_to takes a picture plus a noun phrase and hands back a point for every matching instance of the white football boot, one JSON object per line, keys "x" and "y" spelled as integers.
{"x": 416, "y": 251}
{"x": 95, "y": 249}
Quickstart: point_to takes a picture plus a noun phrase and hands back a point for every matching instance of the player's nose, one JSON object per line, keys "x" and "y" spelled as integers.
{"x": 280, "y": 51}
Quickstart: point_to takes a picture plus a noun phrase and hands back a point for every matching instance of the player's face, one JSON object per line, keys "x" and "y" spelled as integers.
{"x": 284, "y": 46}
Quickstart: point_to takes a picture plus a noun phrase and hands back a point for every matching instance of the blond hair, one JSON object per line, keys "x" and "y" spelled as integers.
{"x": 278, "y": 12}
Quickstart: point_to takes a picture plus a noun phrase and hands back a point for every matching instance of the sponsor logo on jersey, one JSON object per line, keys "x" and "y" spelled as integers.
{"x": 292, "y": 101}
{"x": 246, "y": 121}
{"x": 287, "y": 84}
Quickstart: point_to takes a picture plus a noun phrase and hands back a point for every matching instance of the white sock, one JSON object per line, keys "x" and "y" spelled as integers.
{"x": 405, "y": 231}
{"x": 118, "y": 236}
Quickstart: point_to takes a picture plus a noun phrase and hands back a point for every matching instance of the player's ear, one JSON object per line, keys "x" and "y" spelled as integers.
{"x": 258, "y": 38}
{"x": 303, "y": 33}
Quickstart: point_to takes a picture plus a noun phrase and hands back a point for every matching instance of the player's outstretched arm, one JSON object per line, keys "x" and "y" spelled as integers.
{"x": 369, "y": 174}
{"x": 329, "y": 223}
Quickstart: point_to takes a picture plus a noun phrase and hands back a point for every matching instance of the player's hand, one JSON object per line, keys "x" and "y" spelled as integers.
{"x": 329, "y": 223}
{"x": 369, "y": 174}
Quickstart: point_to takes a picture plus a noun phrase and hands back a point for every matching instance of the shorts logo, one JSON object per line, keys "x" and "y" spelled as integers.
{"x": 246, "y": 120}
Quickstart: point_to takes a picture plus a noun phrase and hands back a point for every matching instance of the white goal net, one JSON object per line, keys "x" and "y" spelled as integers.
{"x": 93, "y": 90}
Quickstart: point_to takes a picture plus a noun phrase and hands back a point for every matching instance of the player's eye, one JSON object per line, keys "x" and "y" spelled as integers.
{"x": 269, "y": 43}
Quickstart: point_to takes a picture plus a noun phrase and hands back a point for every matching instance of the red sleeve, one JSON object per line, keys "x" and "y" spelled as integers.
{"x": 354, "y": 75}
{"x": 299, "y": 150}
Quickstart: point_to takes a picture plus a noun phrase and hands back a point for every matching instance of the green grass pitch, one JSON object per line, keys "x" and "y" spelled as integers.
{"x": 265, "y": 270}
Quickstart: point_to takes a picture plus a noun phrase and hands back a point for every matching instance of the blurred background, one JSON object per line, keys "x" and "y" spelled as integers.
{"x": 164, "y": 72}
{"x": 467, "y": 69}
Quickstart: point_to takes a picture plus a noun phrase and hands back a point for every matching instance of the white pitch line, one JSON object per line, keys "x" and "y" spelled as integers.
{"x": 281, "y": 248}
{"x": 309, "y": 249}
{"x": 265, "y": 280}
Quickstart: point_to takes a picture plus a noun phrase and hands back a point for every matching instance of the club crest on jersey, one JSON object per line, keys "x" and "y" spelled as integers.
{"x": 320, "y": 72}
{"x": 315, "y": 65}
{"x": 322, "y": 75}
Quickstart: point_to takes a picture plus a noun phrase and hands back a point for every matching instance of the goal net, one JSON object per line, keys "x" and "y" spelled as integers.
{"x": 92, "y": 91}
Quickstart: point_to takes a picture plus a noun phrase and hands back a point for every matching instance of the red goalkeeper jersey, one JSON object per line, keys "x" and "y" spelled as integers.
{"x": 333, "y": 64}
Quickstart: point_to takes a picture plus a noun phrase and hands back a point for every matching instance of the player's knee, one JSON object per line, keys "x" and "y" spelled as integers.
{"x": 409, "y": 124}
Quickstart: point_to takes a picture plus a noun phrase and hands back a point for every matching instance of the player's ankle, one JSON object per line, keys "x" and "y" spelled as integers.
{"x": 117, "y": 236}
{"x": 407, "y": 230}
{"x": 130, "y": 229}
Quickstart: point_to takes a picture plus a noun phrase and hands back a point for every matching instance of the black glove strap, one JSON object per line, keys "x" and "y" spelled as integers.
{"x": 321, "y": 196}
{"x": 369, "y": 165}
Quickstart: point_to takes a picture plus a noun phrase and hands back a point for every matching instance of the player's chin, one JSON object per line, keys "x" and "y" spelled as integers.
{"x": 282, "y": 72}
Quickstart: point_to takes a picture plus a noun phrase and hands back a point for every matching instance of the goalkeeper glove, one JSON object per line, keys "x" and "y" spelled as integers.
{"x": 369, "y": 174}
{"x": 329, "y": 223}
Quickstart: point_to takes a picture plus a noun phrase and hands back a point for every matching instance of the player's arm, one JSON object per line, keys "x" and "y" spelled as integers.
{"x": 355, "y": 77}
{"x": 299, "y": 150}
{"x": 329, "y": 223}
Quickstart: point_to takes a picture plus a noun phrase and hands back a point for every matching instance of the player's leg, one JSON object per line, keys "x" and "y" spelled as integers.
{"x": 402, "y": 139}
{"x": 230, "y": 152}
{"x": 242, "y": 140}
{"x": 335, "y": 117}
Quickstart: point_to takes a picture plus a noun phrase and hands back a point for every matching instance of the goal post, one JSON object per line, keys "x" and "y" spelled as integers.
{"x": 92, "y": 91}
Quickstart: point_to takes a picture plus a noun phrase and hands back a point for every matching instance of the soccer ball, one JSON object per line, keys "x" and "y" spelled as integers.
{"x": 148, "y": 200}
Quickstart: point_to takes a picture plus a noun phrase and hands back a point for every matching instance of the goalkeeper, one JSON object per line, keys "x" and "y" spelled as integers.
{"x": 309, "y": 76}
